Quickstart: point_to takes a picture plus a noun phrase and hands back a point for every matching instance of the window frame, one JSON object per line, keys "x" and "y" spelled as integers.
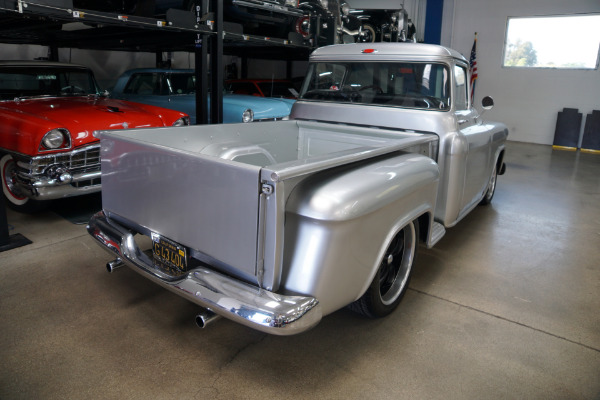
{"x": 455, "y": 87}
{"x": 558, "y": 68}
{"x": 343, "y": 67}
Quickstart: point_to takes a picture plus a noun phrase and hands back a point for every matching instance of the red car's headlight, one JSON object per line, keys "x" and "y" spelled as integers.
{"x": 182, "y": 121}
{"x": 56, "y": 139}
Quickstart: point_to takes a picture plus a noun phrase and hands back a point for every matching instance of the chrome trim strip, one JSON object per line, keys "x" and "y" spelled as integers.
{"x": 62, "y": 191}
{"x": 241, "y": 302}
{"x": 47, "y": 182}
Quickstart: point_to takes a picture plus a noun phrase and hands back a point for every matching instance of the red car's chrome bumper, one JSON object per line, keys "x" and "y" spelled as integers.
{"x": 59, "y": 175}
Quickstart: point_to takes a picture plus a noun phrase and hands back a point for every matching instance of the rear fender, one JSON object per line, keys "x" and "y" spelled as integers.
{"x": 340, "y": 222}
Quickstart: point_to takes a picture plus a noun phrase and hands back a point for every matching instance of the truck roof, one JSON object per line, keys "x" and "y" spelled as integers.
{"x": 388, "y": 51}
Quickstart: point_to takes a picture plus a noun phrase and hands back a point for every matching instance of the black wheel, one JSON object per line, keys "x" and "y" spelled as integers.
{"x": 392, "y": 278}
{"x": 491, "y": 188}
{"x": 368, "y": 34}
{"x": 13, "y": 198}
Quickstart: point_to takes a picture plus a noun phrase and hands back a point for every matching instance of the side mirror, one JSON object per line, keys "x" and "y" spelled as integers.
{"x": 487, "y": 103}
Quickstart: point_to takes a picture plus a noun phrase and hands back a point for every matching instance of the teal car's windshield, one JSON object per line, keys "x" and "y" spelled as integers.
{"x": 161, "y": 84}
{"x": 26, "y": 81}
{"x": 412, "y": 85}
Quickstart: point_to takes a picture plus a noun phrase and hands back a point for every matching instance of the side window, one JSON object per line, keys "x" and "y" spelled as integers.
{"x": 460, "y": 88}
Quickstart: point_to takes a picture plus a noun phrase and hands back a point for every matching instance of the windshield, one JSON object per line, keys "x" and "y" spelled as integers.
{"x": 412, "y": 85}
{"x": 278, "y": 89}
{"x": 181, "y": 83}
{"x": 26, "y": 81}
{"x": 160, "y": 84}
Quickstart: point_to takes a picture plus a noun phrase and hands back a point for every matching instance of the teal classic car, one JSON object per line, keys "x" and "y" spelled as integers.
{"x": 175, "y": 89}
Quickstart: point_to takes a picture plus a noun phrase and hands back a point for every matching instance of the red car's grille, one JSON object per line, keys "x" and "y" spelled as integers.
{"x": 85, "y": 159}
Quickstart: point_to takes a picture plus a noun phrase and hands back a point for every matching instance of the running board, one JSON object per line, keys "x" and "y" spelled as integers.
{"x": 437, "y": 232}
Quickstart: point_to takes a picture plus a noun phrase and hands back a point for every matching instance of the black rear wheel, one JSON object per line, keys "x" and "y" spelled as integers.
{"x": 392, "y": 278}
{"x": 491, "y": 188}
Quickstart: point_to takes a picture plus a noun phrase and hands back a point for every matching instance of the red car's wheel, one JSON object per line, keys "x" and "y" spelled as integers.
{"x": 14, "y": 199}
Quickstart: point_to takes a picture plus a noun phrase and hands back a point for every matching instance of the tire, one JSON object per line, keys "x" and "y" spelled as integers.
{"x": 369, "y": 34}
{"x": 13, "y": 198}
{"x": 491, "y": 188}
{"x": 393, "y": 276}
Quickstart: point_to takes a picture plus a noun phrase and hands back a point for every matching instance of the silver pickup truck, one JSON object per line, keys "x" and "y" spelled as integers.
{"x": 277, "y": 224}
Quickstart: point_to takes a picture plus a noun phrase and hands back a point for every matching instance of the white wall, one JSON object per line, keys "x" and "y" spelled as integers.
{"x": 527, "y": 100}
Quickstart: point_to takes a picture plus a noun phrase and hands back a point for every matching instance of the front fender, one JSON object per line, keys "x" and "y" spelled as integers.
{"x": 22, "y": 132}
{"x": 340, "y": 222}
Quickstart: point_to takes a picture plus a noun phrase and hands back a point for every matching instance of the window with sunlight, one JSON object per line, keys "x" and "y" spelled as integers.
{"x": 566, "y": 42}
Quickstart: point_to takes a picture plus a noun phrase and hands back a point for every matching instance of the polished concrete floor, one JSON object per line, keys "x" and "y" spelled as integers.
{"x": 506, "y": 306}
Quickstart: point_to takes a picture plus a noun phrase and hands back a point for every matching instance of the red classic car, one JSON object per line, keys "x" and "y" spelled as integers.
{"x": 48, "y": 113}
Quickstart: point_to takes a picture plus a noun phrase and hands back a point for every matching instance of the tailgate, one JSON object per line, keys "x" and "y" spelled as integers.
{"x": 203, "y": 202}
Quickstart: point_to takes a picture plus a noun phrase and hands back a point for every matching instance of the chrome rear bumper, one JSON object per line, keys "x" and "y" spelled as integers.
{"x": 241, "y": 302}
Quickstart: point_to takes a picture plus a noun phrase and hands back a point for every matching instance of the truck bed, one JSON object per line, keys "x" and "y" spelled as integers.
{"x": 205, "y": 182}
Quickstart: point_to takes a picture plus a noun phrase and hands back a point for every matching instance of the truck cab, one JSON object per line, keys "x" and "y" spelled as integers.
{"x": 412, "y": 88}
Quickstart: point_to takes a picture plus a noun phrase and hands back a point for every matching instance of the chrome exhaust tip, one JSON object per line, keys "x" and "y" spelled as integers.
{"x": 111, "y": 266}
{"x": 205, "y": 317}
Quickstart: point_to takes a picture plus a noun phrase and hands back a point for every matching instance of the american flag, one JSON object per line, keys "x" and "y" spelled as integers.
{"x": 473, "y": 67}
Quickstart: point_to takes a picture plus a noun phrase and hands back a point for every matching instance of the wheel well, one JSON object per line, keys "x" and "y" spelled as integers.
{"x": 424, "y": 221}
{"x": 499, "y": 162}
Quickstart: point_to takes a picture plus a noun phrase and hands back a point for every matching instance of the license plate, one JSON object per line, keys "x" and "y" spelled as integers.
{"x": 169, "y": 255}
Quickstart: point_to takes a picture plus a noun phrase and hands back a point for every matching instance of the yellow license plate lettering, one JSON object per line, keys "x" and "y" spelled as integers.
{"x": 169, "y": 255}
